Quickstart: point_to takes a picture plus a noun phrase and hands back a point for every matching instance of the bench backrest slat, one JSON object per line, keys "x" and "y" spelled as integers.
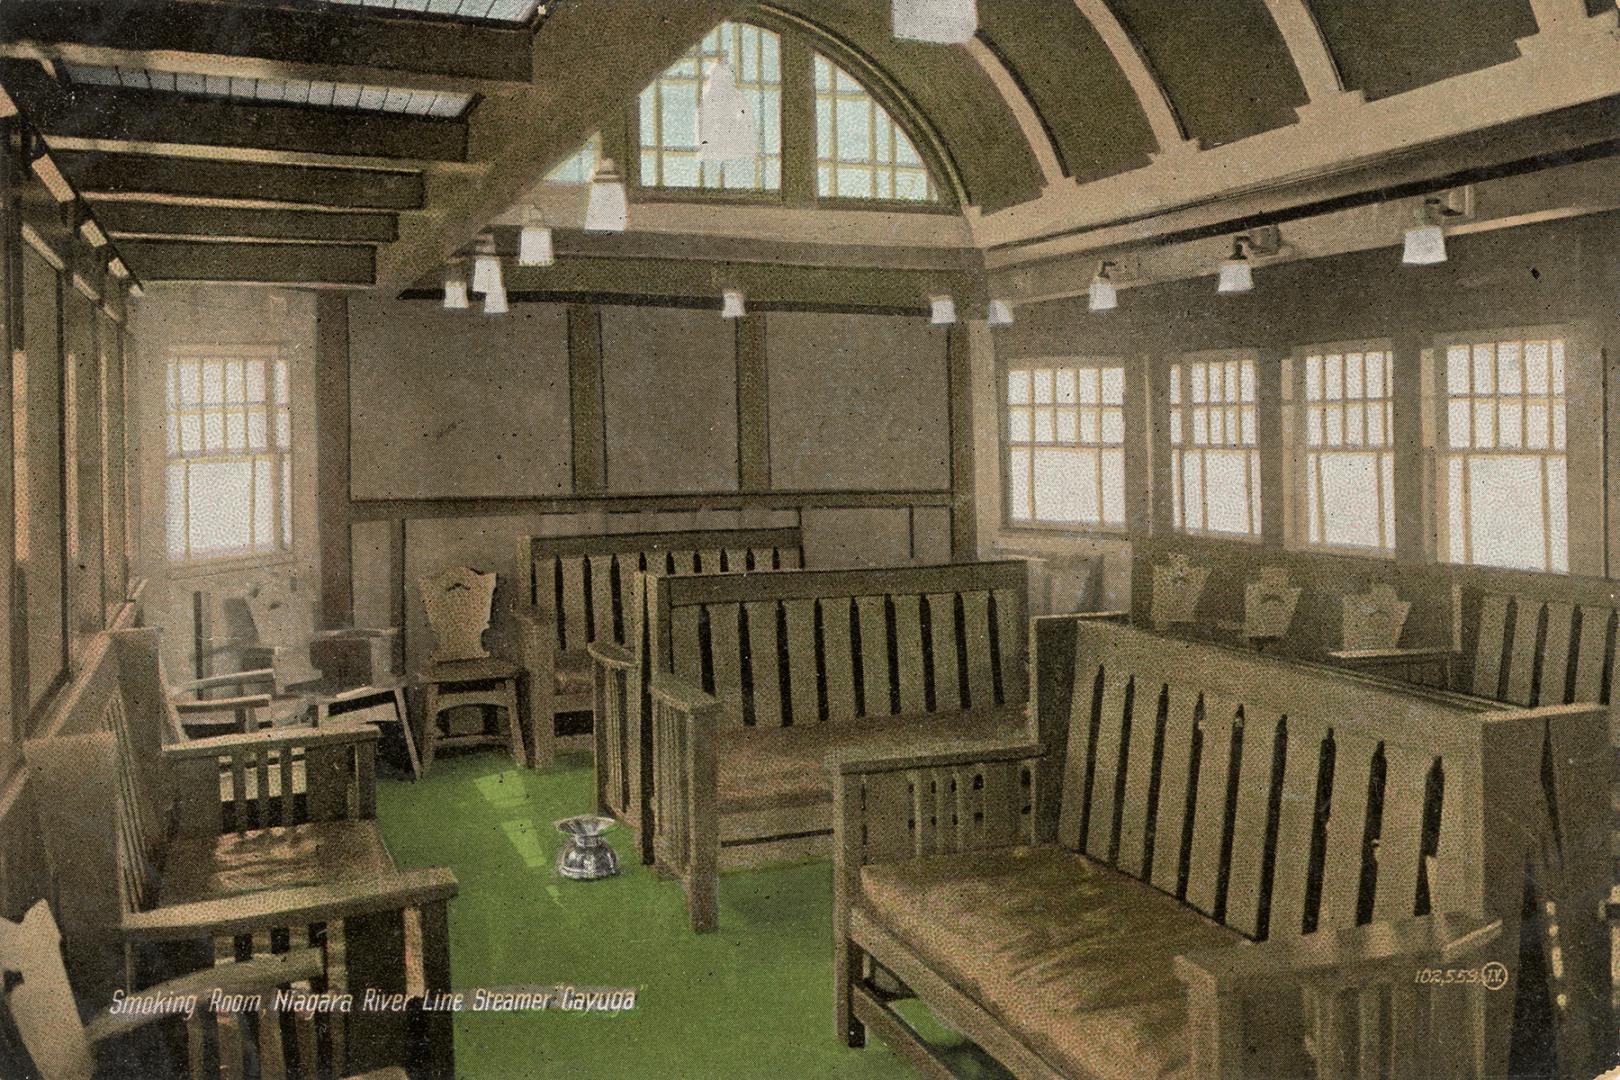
{"x": 795, "y": 648}
{"x": 582, "y": 583}
{"x": 1278, "y": 797}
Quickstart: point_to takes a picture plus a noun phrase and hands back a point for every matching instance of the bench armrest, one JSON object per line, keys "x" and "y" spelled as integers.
{"x": 1359, "y": 657}
{"x": 234, "y": 678}
{"x": 685, "y": 758}
{"x": 299, "y": 906}
{"x": 1329, "y": 977}
{"x": 946, "y": 754}
{"x": 611, "y": 655}
{"x": 333, "y": 734}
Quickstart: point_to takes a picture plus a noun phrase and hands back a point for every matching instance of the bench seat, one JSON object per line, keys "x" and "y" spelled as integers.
{"x": 198, "y": 867}
{"x": 763, "y": 768}
{"x": 1033, "y": 935}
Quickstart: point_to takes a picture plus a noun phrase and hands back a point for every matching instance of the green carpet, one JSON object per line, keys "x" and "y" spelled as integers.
{"x": 752, "y": 1000}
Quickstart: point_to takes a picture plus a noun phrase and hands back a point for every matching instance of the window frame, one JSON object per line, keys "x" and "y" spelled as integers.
{"x": 287, "y": 458}
{"x": 1004, "y": 448}
{"x": 1254, "y": 461}
{"x": 1296, "y": 448}
{"x": 1438, "y": 452}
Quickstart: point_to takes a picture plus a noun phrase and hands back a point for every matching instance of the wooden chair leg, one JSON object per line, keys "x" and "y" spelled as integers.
{"x": 430, "y": 724}
{"x": 514, "y": 727}
{"x": 405, "y": 727}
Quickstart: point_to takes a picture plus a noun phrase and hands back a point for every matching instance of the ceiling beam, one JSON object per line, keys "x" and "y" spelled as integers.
{"x": 132, "y": 120}
{"x": 237, "y": 181}
{"x": 135, "y": 220}
{"x": 1001, "y": 73}
{"x": 339, "y": 44}
{"x": 279, "y": 264}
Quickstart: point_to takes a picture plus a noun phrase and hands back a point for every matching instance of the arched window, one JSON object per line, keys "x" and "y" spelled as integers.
{"x": 861, "y": 153}
{"x": 669, "y": 109}
{"x": 580, "y": 167}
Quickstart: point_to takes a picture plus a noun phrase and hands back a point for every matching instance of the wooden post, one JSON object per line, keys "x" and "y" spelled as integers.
{"x": 1414, "y": 532}
{"x": 959, "y": 379}
{"x": 10, "y": 285}
{"x": 333, "y": 507}
{"x": 1268, "y": 393}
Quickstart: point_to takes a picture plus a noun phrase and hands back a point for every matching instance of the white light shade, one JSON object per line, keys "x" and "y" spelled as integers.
{"x": 1000, "y": 313}
{"x": 486, "y": 276}
{"x": 455, "y": 292}
{"x": 731, "y": 305}
{"x": 1425, "y": 246}
{"x": 607, "y": 209}
{"x": 941, "y": 310}
{"x": 1236, "y": 277}
{"x": 495, "y": 300}
{"x": 942, "y": 22}
{"x": 725, "y": 121}
{"x": 534, "y": 246}
{"x": 1102, "y": 296}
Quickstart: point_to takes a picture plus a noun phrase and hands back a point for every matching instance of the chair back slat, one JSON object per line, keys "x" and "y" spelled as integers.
{"x": 837, "y": 639}
{"x": 979, "y": 661}
{"x": 872, "y": 615}
{"x": 1178, "y": 778}
{"x": 1220, "y": 726}
{"x": 573, "y": 601}
{"x": 604, "y": 576}
{"x": 1593, "y": 656}
{"x": 947, "y": 668}
{"x": 763, "y": 656}
{"x": 1522, "y": 656}
{"x": 1256, "y": 780}
{"x": 1113, "y": 718}
{"x": 800, "y": 624}
{"x": 457, "y": 601}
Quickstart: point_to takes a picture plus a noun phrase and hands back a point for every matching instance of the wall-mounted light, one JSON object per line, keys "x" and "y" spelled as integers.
{"x": 52, "y": 178}
{"x": 535, "y": 247}
{"x": 725, "y": 120}
{"x": 495, "y": 300}
{"x": 607, "y": 208}
{"x": 1236, "y": 274}
{"x": 731, "y": 305}
{"x": 92, "y": 233}
{"x": 942, "y": 310}
{"x": 1426, "y": 241}
{"x": 1102, "y": 296}
{"x": 941, "y": 22}
{"x": 999, "y": 313}
{"x": 455, "y": 287}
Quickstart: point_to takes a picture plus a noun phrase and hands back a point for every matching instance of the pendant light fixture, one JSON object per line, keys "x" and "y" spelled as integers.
{"x": 455, "y": 287}
{"x": 941, "y": 22}
{"x": 535, "y": 247}
{"x": 607, "y": 209}
{"x": 731, "y": 304}
{"x": 486, "y": 274}
{"x": 495, "y": 300}
{"x": 1102, "y": 296}
{"x": 999, "y": 313}
{"x": 942, "y": 310}
{"x": 1426, "y": 242}
{"x": 1236, "y": 274}
{"x": 725, "y": 120}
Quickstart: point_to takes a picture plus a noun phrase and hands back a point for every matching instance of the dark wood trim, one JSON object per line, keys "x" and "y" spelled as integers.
{"x": 93, "y": 173}
{"x": 332, "y": 496}
{"x": 753, "y": 406}
{"x": 798, "y": 123}
{"x": 1414, "y": 515}
{"x": 586, "y": 416}
{"x": 1268, "y": 365}
{"x": 280, "y": 264}
{"x": 392, "y": 509}
{"x": 124, "y": 220}
{"x": 959, "y": 437}
{"x": 342, "y": 45}
{"x": 10, "y": 286}
{"x": 689, "y": 303}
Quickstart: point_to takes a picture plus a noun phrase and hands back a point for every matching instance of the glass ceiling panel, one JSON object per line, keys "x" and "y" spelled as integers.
{"x": 287, "y": 91}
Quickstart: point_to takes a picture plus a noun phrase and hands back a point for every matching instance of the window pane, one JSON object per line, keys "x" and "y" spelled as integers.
{"x": 1506, "y": 523}
{"x": 1226, "y": 490}
{"x": 1066, "y": 486}
{"x": 1018, "y": 387}
{"x": 218, "y": 506}
{"x": 1018, "y": 484}
{"x": 852, "y": 128}
{"x": 1350, "y": 499}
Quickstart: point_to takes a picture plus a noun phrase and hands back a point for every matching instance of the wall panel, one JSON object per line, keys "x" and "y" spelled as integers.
{"x": 669, "y": 392}
{"x": 447, "y": 404}
{"x": 38, "y": 587}
{"x": 857, "y": 403}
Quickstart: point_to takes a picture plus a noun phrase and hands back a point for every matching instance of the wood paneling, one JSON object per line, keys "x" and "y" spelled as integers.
{"x": 456, "y": 404}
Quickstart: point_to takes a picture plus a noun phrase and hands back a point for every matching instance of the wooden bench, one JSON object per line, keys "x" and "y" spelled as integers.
{"x": 158, "y": 875}
{"x": 575, "y": 590}
{"x": 1221, "y": 865}
{"x": 757, "y": 676}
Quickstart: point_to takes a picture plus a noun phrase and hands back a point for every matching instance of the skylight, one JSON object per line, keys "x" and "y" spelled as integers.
{"x": 289, "y": 91}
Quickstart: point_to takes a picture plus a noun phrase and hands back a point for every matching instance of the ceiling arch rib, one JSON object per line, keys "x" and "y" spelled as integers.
{"x": 1167, "y": 127}
{"x": 1042, "y": 144}
{"x": 1308, "y": 48}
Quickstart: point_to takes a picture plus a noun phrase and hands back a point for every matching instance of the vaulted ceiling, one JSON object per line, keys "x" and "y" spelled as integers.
{"x": 353, "y": 143}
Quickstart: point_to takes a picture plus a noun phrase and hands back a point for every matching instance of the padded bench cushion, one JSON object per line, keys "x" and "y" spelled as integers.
{"x": 1073, "y": 957}
{"x": 763, "y": 768}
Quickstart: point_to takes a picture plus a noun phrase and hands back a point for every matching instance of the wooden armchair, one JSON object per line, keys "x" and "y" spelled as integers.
{"x": 158, "y": 875}
{"x": 1371, "y": 624}
{"x": 1268, "y": 606}
{"x": 1177, "y": 586}
{"x": 461, "y": 671}
{"x": 62, "y": 1046}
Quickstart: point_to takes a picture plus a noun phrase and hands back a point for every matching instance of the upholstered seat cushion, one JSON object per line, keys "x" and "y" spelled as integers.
{"x": 761, "y": 768}
{"x": 1073, "y": 957}
{"x": 315, "y": 853}
{"x": 572, "y": 674}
